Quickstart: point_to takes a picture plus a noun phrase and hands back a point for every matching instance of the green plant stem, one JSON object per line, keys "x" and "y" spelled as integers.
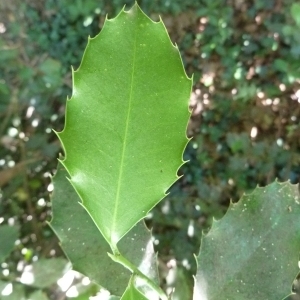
{"x": 119, "y": 258}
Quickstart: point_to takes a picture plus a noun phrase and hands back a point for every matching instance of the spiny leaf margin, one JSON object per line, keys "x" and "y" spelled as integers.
{"x": 115, "y": 226}
{"x": 222, "y": 272}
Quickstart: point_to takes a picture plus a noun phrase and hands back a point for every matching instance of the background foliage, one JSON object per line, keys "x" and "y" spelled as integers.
{"x": 245, "y": 123}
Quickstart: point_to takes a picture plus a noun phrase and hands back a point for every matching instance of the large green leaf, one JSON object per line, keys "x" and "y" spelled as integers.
{"x": 44, "y": 272}
{"x": 125, "y": 124}
{"x": 87, "y": 249}
{"x": 253, "y": 251}
{"x": 8, "y": 236}
{"x": 11, "y": 291}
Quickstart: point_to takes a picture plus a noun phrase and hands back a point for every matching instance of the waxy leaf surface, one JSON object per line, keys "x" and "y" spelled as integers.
{"x": 86, "y": 247}
{"x": 253, "y": 251}
{"x": 125, "y": 128}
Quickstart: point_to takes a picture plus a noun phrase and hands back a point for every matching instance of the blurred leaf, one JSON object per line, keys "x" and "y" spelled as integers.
{"x": 38, "y": 295}
{"x": 253, "y": 251}
{"x": 51, "y": 70}
{"x": 44, "y": 272}
{"x": 10, "y": 291}
{"x": 238, "y": 142}
{"x": 8, "y": 237}
{"x": 295, "y": 11}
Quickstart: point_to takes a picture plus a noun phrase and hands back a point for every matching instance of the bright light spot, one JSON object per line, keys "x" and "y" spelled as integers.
{"x": 206, "y": 101}
{"x": 72, "y": 292}
{"x": 233, "y": 91}
{"x": 166, "y": 207}
{"x": 35, "y": 123}
{"x": 21, "y": 135}
{"x": 97, "y": 11}
{"x": 1, "y": 220}
{"x": 268, "y": 101}
{"x": 11, "y": 221}
{"x": 191, "y": 229}
{"x": 238, "y": 73}
{"x": 171, "y": 263}
{"x": 48, "y": 130}
{"x": 207, "y": 79}
{"x": 54, "y": 117}
{"x": 293, "y": 118}
{"x": 102, "y": 295}
{"x": 27, "y": 276}
{"x": 41, "y": 202}
{"x": 11, "y": 163}
{"x": 16, "y": 122}
{"x": 149, "y": 216}
{"x": 297, "y": 94}
{"x": 65, "y": 282}
{"x": 5, "y": 272}
{"x": 13, "y": 132}
{"x": 203, "y": 20}
{"x": 279, "y": 142}
{"x": 230, "y": 181}
{"x": 8, "y": 289}
{"x": 197, "y": 207}
{"x": 2, "y": 28}
{"x": 24, "y": 251}
{"x": 29, "y": 111}
{"x": 2, "y": 162}
{"x": 88, "y": 21}
{"x": 29, "y": 218}
{"x": 171, "y": 276}
{"x": 46, "y": 174}
{"x": 50, "y": 187}
{"x": 85, "y": 281}
{"x": 282, "y": 87}
{"x": 20, "y": 266}
{"x": 260, "y": 95}
{"x": 253, "y": 132}
{"x": 186, "y": 264}
{"x": 258, "y": 19}
{"x": 276, "y": 101}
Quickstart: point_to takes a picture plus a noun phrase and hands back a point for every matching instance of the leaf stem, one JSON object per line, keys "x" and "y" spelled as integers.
{"x": 119, "y": 258}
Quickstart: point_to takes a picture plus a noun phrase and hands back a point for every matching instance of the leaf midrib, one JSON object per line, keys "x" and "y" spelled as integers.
{"x": 113, "y": 243}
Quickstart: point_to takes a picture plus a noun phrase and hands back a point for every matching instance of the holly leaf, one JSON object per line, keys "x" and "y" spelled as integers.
{"x": 253, "y": 251}
{"x": 125, "y": 128}
{"x": 87, "y": 249}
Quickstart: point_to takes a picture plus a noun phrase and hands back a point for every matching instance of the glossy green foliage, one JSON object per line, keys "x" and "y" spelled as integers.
{"x": 125, "y": 124}
{"x": 87, "y": 249}
{"x": 253, "y": 251}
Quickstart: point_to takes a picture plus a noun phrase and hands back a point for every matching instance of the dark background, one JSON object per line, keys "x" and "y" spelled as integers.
{"x": 245, "y": 123}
